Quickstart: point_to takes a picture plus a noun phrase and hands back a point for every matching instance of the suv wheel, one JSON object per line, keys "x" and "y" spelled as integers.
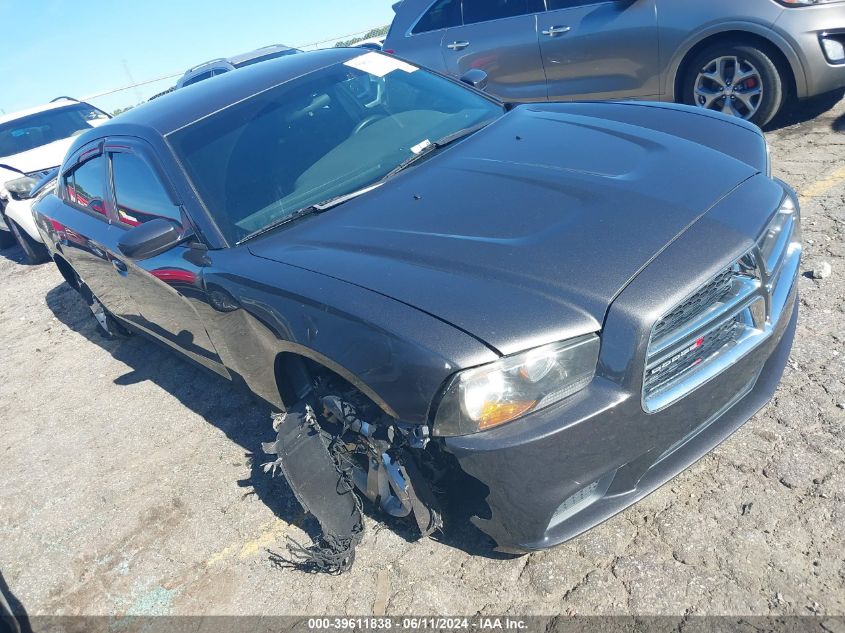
{"x": 736, "y": 79}
{"x": 34, "y": 252}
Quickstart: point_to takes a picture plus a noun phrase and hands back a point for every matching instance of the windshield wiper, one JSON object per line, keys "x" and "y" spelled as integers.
{"x": 338, "y": 200}
{"x": 311, "y": 209}
{"x": 436, "y": 145}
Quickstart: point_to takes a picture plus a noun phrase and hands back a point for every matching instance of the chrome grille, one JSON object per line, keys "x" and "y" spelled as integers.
{"x": 724, "y": 320}
{"x": 689, "y": 358}
{"x": 696, "y": 304}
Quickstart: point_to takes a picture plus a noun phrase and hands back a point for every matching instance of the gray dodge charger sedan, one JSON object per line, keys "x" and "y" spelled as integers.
{"x": 543, "y": 311}
{"x": 740, "y": 57}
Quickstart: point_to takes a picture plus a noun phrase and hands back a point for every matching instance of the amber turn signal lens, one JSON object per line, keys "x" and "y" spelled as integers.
{"x": 497, "y": 413}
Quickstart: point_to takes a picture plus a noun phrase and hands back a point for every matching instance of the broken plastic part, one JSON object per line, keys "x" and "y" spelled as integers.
{"x": 320, "y": 478}
{"x": 323, "y": 463}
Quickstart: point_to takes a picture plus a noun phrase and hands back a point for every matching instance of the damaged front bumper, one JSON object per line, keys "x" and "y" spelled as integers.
{"x": 564, "y": 470}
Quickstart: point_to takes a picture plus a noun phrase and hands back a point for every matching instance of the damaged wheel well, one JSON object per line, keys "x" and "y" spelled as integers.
{"x": 296, "y": 376}
{"x": 334, "y": 438}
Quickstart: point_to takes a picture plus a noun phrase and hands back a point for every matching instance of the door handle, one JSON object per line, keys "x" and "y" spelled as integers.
{"x": 557, "y": 30}
{"x": 457, "y": 46}
{"x": 120, "y": 267}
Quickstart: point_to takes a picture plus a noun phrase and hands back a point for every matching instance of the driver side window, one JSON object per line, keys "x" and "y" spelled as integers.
{"x": 139, "y": 194}
{"x": 85, "y": 185}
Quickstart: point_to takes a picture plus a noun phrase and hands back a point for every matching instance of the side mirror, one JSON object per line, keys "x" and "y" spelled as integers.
{"x": 150, "y": 239}
{"x": 476, "y": 78}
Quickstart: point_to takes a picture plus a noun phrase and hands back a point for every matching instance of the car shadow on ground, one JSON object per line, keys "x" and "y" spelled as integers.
{"x": 795, "y": 111}
{"x": 245, "y": 420}
{"x": 13, "y": 254}
{"x": 21, "y": 619}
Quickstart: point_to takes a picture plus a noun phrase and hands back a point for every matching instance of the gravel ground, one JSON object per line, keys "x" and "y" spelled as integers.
{"x": 127, "y": 486}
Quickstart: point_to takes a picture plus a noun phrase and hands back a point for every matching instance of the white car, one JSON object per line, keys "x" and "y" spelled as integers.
{"x": 32, "y": 144}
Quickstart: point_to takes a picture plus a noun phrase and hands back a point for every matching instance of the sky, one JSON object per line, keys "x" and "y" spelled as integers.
{"x": 79, "y": 48}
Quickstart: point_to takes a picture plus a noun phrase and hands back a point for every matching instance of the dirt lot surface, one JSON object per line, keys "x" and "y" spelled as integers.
{"x": 127, "y": 486}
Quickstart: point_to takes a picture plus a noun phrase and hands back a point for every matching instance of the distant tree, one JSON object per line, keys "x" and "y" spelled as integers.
{"x": 374, "y": 33}
{"x": 121, "y": 110}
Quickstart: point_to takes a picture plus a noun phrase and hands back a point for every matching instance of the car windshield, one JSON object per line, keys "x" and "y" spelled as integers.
{"x": 327, "y": 134}
{"x": 35, "y": 130}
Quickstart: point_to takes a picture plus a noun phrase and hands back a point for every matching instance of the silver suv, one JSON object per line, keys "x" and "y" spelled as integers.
{"x": 220, "y": 66}
{"x": 741, "y": 58}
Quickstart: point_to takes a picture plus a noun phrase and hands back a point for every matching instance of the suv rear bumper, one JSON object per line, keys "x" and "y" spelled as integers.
{"x": 564, "y": 470}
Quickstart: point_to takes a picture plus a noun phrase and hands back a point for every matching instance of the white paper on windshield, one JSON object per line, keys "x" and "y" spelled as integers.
{"x": 416, "y": 149}
{"x": 379, "y": 65}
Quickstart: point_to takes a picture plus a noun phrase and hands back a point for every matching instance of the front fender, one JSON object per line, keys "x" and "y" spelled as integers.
{"x": 395, "y": 354}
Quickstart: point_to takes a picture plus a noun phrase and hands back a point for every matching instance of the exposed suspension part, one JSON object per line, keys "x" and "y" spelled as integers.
{"x": 326, "y": 455}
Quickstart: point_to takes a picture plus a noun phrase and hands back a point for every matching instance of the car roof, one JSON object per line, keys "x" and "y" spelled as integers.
{"x": 53, "y": 105}
{"x": 182, "y": 107}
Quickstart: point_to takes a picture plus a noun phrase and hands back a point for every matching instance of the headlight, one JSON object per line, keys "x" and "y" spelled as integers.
{"x": 780, "y": 229}
{"x": 492, "y": 395}
{"x": 21, "y": 188}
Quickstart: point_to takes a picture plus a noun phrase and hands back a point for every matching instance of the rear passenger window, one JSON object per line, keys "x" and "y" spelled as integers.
{"x": 442, "y": 15}
{"x": 138, "y": 193}
{"x": 486, "y": 10}
{"x": 86, "y": 185}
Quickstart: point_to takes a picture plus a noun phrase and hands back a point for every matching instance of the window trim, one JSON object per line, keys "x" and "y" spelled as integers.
{"x": 81, "y": 157}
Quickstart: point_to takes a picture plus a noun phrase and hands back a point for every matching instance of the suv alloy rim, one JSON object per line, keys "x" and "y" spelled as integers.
{"x": 731, "y": 85}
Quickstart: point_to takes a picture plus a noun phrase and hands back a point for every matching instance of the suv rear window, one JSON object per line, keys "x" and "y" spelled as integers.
{"x": 486, "y": 10}
{"x": 195, "y": 80}
{"x": 442, "y": 15}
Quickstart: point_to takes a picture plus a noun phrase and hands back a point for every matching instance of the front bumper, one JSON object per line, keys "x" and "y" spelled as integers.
{"x": 604, "y": 463}
{"x": 21, "y": 212}
{"x": 563, "y": 470}
{"x": 802, "y": 28}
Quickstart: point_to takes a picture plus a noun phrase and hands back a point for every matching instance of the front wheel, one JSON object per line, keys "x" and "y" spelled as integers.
{"x": 735, "y": 79}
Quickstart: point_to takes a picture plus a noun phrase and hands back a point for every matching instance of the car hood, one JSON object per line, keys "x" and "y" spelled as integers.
{"x": 38, "y": 159}
{"x": 524, "y": 233}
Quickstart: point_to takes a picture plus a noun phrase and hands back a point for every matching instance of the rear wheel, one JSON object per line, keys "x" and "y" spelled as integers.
{"x": 34, "y": 252}
{"x": 107, "y": 325}
{"x": 736, "y": 79}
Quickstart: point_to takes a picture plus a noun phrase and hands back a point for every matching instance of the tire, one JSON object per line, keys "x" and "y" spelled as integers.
{"x": 724, "y": 61}
{"x": 34, "y": 252}
{"x": 107, "y": 325}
